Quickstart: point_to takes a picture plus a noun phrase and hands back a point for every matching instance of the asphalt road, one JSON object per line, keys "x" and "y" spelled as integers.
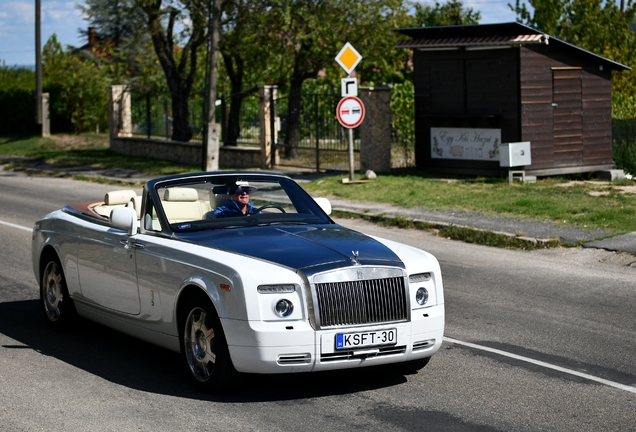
{"x": 552, "y": 336}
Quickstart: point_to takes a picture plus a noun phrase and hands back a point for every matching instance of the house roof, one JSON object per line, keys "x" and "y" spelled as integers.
{"x": 490, "y": 36}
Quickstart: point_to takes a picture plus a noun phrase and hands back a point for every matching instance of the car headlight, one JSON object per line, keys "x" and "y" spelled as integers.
{"x": 284, "y": 308}
{"x": 421, "y": 296}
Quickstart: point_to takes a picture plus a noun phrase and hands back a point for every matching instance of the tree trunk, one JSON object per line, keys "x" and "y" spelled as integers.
{"x": 235, "y": 70}
{"x": 233, "y": 120}
{"x": 181, "y": 129}
{"x": 179, "y": 76}
{"x": 293, "y": 118}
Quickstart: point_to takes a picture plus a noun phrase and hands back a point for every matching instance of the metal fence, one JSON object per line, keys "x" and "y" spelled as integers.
{"x": 322, "y": 141}
{"x": 248, "y": 133}
{"x": 151, "y": 115}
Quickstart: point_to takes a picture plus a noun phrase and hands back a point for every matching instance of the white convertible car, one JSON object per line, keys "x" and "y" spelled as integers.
{"x": 279, "y": 289}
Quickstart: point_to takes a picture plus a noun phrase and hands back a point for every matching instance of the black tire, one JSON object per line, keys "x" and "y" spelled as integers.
{"x": 412, "y": 366}
{"x": 57, "y": 306}
{"x": 204, "y": 350}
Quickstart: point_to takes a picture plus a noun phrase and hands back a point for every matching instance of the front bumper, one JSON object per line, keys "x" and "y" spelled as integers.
{"x": 288, "y": 347}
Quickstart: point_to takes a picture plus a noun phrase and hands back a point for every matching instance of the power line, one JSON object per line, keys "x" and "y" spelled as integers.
{"x": 17, "y": 52}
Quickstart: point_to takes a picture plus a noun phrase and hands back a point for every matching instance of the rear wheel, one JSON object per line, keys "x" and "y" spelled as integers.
{"x": 56, "y": 304}
{"x": 204, "y": 349}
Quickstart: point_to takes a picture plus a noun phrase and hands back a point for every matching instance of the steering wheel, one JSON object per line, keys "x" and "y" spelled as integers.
{"x": 266, "y": 206}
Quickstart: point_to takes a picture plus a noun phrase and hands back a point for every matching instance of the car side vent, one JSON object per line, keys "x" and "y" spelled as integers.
{"x": 292, "y": 359}
{"x": 420, "y": 345}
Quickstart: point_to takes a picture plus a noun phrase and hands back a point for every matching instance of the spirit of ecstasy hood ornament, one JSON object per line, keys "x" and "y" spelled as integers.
{"x": 355, "y": 257}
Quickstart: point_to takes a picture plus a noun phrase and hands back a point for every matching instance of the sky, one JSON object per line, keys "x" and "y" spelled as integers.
{"x": 61, "y": 17}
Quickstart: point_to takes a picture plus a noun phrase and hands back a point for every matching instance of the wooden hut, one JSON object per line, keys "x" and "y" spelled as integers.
{"x": 480, "y": 86}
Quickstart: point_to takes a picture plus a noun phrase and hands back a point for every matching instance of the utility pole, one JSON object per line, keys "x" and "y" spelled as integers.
{"x": 38, "y": 66}
{"x": 211, "y": 139}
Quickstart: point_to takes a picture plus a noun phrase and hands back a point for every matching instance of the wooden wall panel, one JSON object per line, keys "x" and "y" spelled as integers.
{"x": 536, "y": 107}
{"x": 597, "y": 119}
{"x": 513, "y": 90}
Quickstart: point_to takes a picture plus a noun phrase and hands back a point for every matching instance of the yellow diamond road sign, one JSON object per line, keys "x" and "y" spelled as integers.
{"x": 348, "y": 58}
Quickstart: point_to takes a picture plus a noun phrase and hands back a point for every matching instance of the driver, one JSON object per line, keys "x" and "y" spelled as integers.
{"x": 239, "y": 203}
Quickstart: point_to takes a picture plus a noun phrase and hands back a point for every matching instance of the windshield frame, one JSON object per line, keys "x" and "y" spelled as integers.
{"x": 307, "y": 211}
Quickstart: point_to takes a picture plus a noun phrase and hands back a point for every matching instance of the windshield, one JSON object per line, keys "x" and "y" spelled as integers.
{"x": 223, "y": 202}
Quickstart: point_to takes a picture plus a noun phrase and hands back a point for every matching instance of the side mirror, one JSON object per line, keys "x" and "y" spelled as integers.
{"x": 124, "y": 218}
{"x": 324, "y": 204}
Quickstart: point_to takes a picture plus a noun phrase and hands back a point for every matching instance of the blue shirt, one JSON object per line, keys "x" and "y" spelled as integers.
{"x": 231, "y": 209}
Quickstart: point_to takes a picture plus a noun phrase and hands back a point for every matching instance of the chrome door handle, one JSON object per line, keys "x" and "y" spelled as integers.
{"x": 131, "y": 245}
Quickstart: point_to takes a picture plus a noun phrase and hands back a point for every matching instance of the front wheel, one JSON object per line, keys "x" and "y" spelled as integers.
{"x": 203, "y": 347}
{"x": 56, "y": 304}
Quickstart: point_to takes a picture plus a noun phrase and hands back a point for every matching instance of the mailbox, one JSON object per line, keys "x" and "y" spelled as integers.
{"x": 514, "y": 154}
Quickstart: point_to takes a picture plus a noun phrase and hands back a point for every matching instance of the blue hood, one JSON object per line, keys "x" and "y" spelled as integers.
{"x": 299, "y": 246}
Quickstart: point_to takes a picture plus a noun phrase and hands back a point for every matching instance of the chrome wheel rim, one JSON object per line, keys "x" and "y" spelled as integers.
{"x": 52, "y": 293}
{"x": 199, "y": 344}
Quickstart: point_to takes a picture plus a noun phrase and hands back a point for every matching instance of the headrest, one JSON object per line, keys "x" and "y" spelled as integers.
{"x": 135, "y": 202}
{"x": 181, "y": 194}
{"x": 119, "y": 197}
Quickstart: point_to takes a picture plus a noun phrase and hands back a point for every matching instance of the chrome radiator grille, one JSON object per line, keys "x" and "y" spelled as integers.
{"x": 361, "y": 302}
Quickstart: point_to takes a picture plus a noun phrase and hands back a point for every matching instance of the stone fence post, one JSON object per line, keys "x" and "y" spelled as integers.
{"x": 46, "y": 119}
{"x": 268, "y": 132}
{"x": 375, "y": 130}
{"x": 119, "y": 111}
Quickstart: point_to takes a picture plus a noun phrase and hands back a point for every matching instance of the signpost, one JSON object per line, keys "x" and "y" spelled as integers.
{"x": 350, "y": 110}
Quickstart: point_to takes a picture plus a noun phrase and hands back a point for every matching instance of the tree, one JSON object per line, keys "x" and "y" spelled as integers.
{"x": 78, "y": 86}
{"x": 245, "y": 56}
{"x": 599, "y": 26}
{"x": 309, "y": 33}
{"x": 450, "y": 13}
{"x": 116, "y": 20}
{"x": 179, "y": 64}
{"x": 121, "y": 26}
{"x": 177, "y": 30}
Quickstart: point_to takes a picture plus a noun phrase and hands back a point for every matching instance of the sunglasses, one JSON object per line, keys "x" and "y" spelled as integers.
{"x": 241, "y": 191}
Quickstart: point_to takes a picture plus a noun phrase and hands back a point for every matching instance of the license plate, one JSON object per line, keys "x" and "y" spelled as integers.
{"x": 366, "y": 339}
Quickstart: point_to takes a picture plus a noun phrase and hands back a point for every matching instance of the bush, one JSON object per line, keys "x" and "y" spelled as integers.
{"x": 17, "y": 99}
{"x": 624, "y": 144}
{"x": 403, "y": 121}
{"x": 78, "y": 88}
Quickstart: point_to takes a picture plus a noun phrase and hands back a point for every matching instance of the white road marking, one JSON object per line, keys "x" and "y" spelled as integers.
{"x": 15, "y": 226}
{"x": 544, "y": 364}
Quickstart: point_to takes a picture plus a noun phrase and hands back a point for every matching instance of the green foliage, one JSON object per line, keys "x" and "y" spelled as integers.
{"x": 594, "y": 25}
{"x": 86, "y": 149}
{"x": 403, "y": 121}
{"x": 12, "y": 78}
{"x": 624, "y": 144}
{"x": 543, "y": 201}
{"x": 78, "y": 86}
{"x": 17, "y": 97}
{"x": 545, "y": 16}
{"x": 449, "y": 13}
